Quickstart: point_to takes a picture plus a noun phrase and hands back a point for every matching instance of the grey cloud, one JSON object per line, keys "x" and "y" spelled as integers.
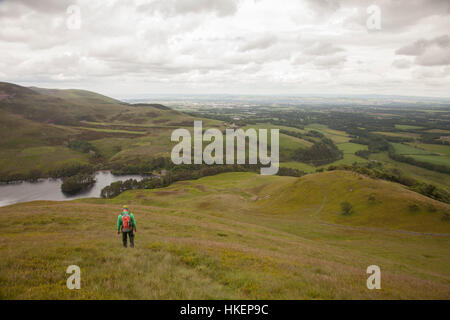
{"x": 301, "y": 59}
{"x": 221, "y": 8}
{"x": 260, "y": 43}
{"x": 332, "y": 61}
{"x": 430, "y": 73}
{"x": 413, "y": 49}
{"x": 324, "y": 6}
{"x": 321, "y": 54}
{"x": 432, "y": 52}
{"x": 395, "y": 15}
{"x": 322, "y": 49}
{"x": 217, "y": 44}
{"x": 43, "y": 6}
{"x": 319, "y": 61}
{"x": 402, "y": 64}
{"x": 435, "y": 56}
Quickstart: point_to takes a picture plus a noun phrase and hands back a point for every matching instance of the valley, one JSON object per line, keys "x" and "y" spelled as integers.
{"x": 357, "y": 186}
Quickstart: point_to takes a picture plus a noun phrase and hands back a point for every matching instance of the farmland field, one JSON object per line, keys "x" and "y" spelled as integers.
{"x": 406, "y": 149}
{"x": 443, "y": 150}
{"x": 407, "y": 127}
{"x": 350, "y": 147}
{"x": 440, "y": 160}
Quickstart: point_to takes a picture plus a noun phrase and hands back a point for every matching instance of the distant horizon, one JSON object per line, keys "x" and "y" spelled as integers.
{"x": 148, "y": 95}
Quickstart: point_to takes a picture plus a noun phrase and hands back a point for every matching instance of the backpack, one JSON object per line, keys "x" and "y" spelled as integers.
{"x": 127, "y": 224}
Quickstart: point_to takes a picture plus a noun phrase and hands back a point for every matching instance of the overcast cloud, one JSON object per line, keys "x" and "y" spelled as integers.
{"x": 125, "y": 48}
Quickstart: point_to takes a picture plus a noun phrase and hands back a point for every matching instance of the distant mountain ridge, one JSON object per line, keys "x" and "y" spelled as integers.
{"x": 56, "y": 106}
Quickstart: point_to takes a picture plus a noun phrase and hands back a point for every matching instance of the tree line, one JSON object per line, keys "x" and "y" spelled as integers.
{"x": 320, "y": 153}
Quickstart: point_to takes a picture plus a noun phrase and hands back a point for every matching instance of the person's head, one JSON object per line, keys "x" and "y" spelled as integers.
{"x": 125, "y": 208}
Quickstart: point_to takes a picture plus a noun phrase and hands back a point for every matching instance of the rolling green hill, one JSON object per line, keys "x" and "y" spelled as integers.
{"x": 233, "y": 236}
{"x": 37, "y": 125}
{"x": 56, "y": 106}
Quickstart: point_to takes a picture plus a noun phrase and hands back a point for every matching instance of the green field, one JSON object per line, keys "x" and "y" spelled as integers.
{"x": 288, "y": 144}
{"x": 299, "y": 166}
{"x": 350, "y": 147}
{"x": 407, "y": 127}
{"x": 407, "y": 149}
{"x": 445, "y": 132}
{"x": 335, "y": 135}
{"x": 425, "y": 153}
{"x": 348, "y": 159}
{"x": 232, "y": 236}
{"x": 40, "y": 158}
{"x": 443, "y": 150}
{"x": 440, "y": 160}
{"x": 398, "y": 134}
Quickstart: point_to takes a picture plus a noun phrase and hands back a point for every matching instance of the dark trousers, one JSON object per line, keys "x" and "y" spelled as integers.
{"x": 124, "y": 238}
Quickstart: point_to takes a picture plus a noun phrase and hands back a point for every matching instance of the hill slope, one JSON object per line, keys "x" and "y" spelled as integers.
{"x": 37, "y": 125}
{"x": 234, "y": 235}
{"x": 56, "y": 106}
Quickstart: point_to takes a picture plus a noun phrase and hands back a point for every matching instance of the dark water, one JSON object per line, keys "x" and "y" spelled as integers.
{"x": 50, "y": 189}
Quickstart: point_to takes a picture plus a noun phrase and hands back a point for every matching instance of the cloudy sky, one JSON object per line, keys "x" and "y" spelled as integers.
{"x": 126, "y": 48}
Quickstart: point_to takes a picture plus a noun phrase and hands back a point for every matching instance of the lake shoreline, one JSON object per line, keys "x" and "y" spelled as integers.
{"x": 49, "y": 189}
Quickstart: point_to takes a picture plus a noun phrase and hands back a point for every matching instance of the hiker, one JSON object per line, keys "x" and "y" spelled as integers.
{"x": 127, "y": 224}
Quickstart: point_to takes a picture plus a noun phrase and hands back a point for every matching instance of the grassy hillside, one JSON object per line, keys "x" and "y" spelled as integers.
{"x": 56, "y": 106}
{"x": 37, "y": 125}
{"x": 234, "y": 235}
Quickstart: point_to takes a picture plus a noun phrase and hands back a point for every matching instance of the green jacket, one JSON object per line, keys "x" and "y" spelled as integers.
{"x": 119, "y": 221}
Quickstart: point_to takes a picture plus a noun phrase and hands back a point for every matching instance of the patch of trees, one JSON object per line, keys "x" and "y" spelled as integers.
{"x": 71, "y": 170}
{"x": 319, "y": 153}
{"x": 375, "y": 143}
{"x": 283, "y": 171}
{"x": 32, "y": 176}
{"x": 293, "y": 123}
{"x": 141, "y": 166}
{"x": 346, "y": 208}
{"x": 60, "y": 172}
{"x": 116, "y": 188}
{"x": 363, "y": 154}
{"x": 398, "y": 139}
{"x": 433, "y": 138}
{"x": 77, "y": 183}
{"x": 431, "y": 191}
{"x": 81, "y": 146}
{"x": 305, "y": 136}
